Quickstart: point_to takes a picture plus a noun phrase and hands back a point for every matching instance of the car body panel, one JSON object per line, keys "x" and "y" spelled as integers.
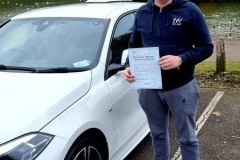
{"x": 91, "y": 10}
{"x": 30, "y": 101}
{"x": 68, "y": 104}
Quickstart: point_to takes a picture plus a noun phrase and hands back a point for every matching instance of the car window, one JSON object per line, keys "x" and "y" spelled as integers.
{"x": 52, "y": 42}
{"x": 121, "y": 37}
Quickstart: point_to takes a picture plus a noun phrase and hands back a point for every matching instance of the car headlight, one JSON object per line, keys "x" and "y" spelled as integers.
{"x": 27, "y": 147}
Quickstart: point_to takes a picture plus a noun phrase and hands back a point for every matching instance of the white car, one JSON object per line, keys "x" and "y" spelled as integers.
{"x": 62, "y": 92}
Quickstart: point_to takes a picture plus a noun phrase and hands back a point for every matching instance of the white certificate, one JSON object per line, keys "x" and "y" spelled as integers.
{"x": 145, "y": 68}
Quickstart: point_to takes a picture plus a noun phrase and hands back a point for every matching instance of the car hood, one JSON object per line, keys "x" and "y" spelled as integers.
{"x": 29, "y": 101}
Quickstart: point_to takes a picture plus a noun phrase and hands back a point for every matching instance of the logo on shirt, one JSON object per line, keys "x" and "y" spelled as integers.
{"x": 177, "y": 21}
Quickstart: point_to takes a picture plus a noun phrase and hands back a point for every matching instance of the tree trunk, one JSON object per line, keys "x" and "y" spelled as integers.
{"x": 221, "y": 56}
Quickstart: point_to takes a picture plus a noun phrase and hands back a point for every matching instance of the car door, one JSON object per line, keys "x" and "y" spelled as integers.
{"x": 128, "y": 115}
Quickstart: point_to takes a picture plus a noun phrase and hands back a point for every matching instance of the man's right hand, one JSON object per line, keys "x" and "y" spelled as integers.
{"x": 128, "y": 75}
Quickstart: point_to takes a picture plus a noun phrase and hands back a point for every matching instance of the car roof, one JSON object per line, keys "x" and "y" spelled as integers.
{"x": 93, "y": 9}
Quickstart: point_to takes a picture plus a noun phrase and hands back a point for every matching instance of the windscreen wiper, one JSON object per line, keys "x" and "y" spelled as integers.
{"x": 48, "y": 70}
{"x": 61, "y": 70}
{"x": 18, "y": 68}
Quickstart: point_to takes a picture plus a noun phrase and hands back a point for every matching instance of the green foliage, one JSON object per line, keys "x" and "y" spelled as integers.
{"x": 231, "y": 66}
{"x": 199, "y": 1}
{"x": 207, "y": 78}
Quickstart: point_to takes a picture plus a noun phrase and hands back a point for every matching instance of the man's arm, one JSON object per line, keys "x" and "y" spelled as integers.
{"x": 203, "y": 47}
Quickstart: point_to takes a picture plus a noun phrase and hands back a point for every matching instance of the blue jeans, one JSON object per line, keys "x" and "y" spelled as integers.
{"x": 182, "y": 103}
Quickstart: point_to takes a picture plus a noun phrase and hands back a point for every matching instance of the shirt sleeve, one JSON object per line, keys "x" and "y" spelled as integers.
{"x": 203, "y": 46}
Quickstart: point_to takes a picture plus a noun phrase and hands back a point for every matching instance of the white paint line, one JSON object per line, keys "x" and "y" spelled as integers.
{"x": 202, "y": 119}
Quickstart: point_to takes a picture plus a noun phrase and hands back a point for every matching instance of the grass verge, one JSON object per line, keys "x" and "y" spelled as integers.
{"x": 207, "y": 78}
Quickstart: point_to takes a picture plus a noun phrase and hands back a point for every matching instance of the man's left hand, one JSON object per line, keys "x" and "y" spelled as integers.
{"x": 169, "y": 62}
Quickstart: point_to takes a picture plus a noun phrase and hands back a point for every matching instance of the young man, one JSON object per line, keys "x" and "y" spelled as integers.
{"x": 179, "y": 29}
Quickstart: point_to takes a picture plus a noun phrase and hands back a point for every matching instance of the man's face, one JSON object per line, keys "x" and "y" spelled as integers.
{"x": 163, "y": 1}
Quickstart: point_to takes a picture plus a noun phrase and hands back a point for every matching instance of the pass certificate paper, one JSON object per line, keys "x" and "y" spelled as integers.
{"x": 145, "y": 68}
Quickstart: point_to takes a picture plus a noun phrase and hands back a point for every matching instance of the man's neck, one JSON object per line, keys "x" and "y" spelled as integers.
{"x": 162, "y": 3}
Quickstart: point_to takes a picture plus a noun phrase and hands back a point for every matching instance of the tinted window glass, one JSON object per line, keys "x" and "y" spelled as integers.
{"x": 121, "y": 37}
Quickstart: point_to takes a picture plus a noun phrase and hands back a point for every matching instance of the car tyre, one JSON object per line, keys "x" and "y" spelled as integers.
{"x": 86, "y": 149}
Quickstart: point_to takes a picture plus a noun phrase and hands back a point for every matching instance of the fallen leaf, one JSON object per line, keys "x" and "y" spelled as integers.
{"x": 217, "y": 113}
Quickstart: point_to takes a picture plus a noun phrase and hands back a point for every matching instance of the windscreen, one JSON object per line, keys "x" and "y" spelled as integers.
{"x": 52, "y": 42}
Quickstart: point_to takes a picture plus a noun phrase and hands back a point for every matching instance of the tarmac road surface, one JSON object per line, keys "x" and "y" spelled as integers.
{"x": 219, "y": 135}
